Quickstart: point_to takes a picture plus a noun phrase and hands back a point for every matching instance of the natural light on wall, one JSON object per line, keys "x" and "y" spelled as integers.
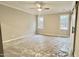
{"x": 64, "y": 22}
{"x": 40, "y": 22}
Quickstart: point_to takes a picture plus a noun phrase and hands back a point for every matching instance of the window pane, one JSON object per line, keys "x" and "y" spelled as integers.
{"x": 40, "y": 22}
{"x": 64, "y": 22}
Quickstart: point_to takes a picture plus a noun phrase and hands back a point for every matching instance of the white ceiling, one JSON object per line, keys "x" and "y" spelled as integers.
{"x": 55, "y": 6}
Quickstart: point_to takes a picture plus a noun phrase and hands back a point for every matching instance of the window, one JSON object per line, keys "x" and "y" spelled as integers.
{"x": 64, "y": 22}
{"x": 40, "y": 22}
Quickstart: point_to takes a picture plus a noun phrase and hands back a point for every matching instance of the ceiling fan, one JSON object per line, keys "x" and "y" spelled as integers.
{"x": 40, "y": 6}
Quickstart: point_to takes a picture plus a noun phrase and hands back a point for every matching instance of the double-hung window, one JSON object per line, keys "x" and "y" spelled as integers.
{"x": 40, "y": 22}
{"x": 64, "y": 22}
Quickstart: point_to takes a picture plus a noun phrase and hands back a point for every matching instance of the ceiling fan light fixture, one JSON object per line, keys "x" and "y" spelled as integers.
{"x": 39, "y": 9}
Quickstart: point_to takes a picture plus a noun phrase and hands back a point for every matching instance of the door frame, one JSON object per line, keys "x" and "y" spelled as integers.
{"x": 1, "y": 44}
{"x": 74, "y": 41}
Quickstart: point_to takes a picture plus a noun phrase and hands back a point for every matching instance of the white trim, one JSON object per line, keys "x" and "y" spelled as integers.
{"x": 13, "y": 39}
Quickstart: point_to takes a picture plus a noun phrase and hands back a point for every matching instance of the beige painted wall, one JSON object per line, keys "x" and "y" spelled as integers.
{"x": 15, "y": 23}
{"x": 52, "y": 26}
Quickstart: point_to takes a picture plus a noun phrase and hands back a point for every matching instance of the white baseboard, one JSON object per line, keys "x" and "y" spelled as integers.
{"x": 6, "y": 41}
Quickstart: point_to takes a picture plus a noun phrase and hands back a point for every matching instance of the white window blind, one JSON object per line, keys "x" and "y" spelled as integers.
{"x": 40, "y": 22}
{"x": 64, "y": 22}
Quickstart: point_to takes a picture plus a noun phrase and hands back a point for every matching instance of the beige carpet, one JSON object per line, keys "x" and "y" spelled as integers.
{"x": 38, "y": 46}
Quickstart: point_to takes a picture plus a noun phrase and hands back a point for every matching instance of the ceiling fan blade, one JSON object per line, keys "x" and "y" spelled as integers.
{"x": 46, "y": 8}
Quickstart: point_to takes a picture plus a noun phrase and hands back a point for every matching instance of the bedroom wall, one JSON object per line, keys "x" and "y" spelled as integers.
{"x": 15, "y": 23}
{"x": 52, "y": 26}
